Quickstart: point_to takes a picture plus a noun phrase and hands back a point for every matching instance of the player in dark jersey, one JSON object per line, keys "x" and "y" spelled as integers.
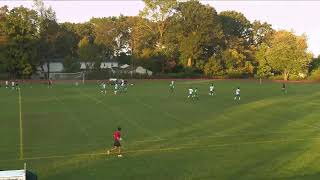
{"x": 284, "y": 88}
{"x": 116, "y": 144}
{"x": 16, "y": 85}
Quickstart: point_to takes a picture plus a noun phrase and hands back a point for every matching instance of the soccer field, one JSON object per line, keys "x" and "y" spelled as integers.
{"x": 66, "y": 130}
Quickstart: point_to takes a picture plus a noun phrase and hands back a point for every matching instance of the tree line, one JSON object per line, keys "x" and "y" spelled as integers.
{"x": 167, "y": 37}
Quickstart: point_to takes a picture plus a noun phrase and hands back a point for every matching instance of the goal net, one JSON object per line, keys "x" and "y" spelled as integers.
{"x": 68, "y": 76}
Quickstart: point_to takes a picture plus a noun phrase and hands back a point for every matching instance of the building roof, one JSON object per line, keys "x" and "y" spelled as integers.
{"x": 124, "y": 66}
{"x": 12, "y": 173}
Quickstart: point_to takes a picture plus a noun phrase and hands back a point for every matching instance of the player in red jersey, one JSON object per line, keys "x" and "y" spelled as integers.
{"x": 49, "y": 83}
{"x": 116, "y": 144}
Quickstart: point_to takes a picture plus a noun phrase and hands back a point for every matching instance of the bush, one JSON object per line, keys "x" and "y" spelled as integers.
{"x": 233, "y": 74}
{"x": 213, "y": 68}
{"x": 180, "y": 75}
{"x": 276, "y": 77}
{"x": 294, "y": 77}
{"x": 315, "y": 74}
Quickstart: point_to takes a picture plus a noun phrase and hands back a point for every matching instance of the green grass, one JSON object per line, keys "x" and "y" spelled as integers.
{"x": 66, "y": 130}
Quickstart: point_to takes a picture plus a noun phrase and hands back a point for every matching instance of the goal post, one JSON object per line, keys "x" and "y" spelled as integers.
{"x": 78, "y": 76}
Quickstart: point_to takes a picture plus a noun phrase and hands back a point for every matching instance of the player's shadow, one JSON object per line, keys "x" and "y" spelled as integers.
{"x": 31, "y": 176}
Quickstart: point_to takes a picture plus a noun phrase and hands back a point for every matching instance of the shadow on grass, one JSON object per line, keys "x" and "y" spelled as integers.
{"x": 31, "y": 176}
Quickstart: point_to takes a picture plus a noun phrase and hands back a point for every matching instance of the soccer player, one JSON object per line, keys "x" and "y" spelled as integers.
{"x": 103, "y": 88}
{"x": 116, "y": 144}
{"x": 16, "y": 85}
{"x": 171, "y": 86}
{"x": 284, "y": 88}
{"x": 195, "y": 94}
{"x": 237, "y": 94}
{"x": 211, "y": 90}
{"x": 12, "y": 85}
{"x": 190, "y": 92}
{"x": 116, "y": 88}
{"x": 125, "y": 86}
{"x": 50, "y": 83}
{"x": 7, "y": 84}
{"x": 122, "y": 86}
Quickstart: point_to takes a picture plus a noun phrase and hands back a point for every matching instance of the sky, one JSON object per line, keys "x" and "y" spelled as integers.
{"x": 300, "y": 17}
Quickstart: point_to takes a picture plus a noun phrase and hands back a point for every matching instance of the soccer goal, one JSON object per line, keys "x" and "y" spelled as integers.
{"x": 80, "y": 76}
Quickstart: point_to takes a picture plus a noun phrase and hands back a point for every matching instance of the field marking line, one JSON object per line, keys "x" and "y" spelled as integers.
{"x": 20, "y": 126}
{"x": 186, "y": 146}
{"x": 181, "y": 138}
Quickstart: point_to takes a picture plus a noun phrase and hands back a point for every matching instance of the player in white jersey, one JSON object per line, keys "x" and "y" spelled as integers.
{"x": 190, "y": 92}
{"x": 237, "y": 94}
{"x": 104, "y": 88}
{"x": 7, "y": 84}
{"x": 171, "y": 86}
{"x": 116, "y": 88}
{"x": 211, "y": 90}
{"x": 122, "y": 88}
{"x": 12, "y": 85}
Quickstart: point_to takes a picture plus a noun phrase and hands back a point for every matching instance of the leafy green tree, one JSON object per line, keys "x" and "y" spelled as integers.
{"x": 314, "y": 64}
{"x": 140, "y": 39}
{"x": 158, "y": 12}
{"x": 199, "y": 32}
{"x": 288, "y": 54}
{"x": 112, "y": 34}
{"x": 142, "y": 43}
{"x": 239, "y": 47}
{"x": 3, "y": 38}
{"x": 27, "y": 70}
{"x": 81, "y": 30}
{"x": 124, "y": 58}
{"x": 236, "y": 25}
{"x": 89, "y": 53}
{"x": 264, "y": 68}
{"x": 71, "y": 64}
{"x": 261, "y": 32}
{"x": 48, "y": 34}
{"x": 213, "y": 67}
{"x": 21, "y": 30}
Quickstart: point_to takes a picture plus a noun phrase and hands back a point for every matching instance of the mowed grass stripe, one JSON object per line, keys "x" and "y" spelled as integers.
{"x": 180, "y": 147}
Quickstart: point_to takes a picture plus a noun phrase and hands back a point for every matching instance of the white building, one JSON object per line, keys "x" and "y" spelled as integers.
{"x": 86, "y": 65}
{"x": 53, "y": 66}
{"x": 124, "y": 66}
{"x": 103, "y": 65}
{"x": 142, "y": 71}
{"x": 108, "y": 65}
